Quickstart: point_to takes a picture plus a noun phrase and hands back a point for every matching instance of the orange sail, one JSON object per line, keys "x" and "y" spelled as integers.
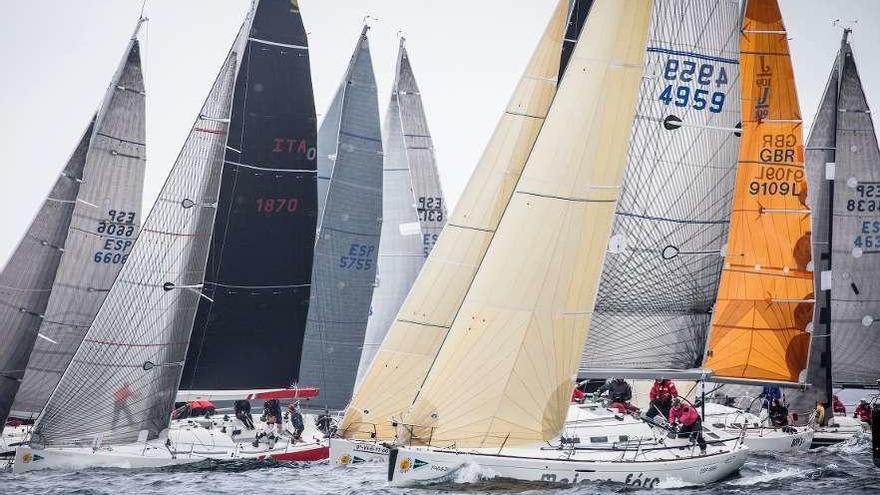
{"x": 765, "y": 298}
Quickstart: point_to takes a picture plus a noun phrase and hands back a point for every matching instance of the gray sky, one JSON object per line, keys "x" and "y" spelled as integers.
{"x": 58, "y": 56}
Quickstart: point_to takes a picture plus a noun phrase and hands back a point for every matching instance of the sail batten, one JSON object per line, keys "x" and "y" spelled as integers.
{"x": 421, "y": 326}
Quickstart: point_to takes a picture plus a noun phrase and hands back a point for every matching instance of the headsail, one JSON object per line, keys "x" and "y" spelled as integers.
{"x": 345, "y": 253}
{"x": 664, "y": 257}
{"x": 401, "y": 364}
{"x": 402, "y": 247}
{"x": 504, "y": 374}
{"x": 259, "y": 269}
{"x": 765, "y": 300}
{"x": 106, "y": 222}
{"x": 123, "y": 377}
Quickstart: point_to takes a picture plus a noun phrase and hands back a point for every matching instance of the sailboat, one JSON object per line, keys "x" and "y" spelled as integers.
{"x": 420, "y": 327}
{"x": 842, "y": 156}
{"x": 413, "y": 210}
{"x": 349, "y": 228}
{"x": 754, "y": 331}
{"x": 61, "y": 271}
{"x": 112, "y": 405}
{"x": 498, "y": 391}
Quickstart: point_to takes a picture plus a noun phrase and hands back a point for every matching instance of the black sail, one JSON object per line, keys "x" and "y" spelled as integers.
{"x": 259, "y": 267}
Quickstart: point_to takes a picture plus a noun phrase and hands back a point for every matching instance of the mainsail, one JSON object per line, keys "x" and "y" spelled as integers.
{"x": 84, "y": 233}
{"x": 855, "y": 233}
{"x": 402, "y": 246}
{"x": 765, "y": 299}
{"x": 504, "y": 373}
{"x": 414, "y": 338}
{"x": 248, "y": 332}
{"x": 419, "y": 153}
{"x": 345, "y": 253}
{"x": 664, "y": 257}
{"x": 123, "y": 378}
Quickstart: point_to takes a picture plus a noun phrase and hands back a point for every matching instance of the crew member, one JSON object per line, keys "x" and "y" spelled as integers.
{"x": 577, "y": 395}
{"x": 296, "y": 420}
{"x": 778, "y": 414}
{"x": 272, "y": 409}
{"x": 770, "y": 393}
{"x": 619, "y": 393}
{"x": 838, "y": 408}
{"x": 820, "y": 413}
{"x": 243, "y": 413}
{"x": 661, "y": 397}
{"x": 863, "y": 411}
{"x": 685, "y": 419}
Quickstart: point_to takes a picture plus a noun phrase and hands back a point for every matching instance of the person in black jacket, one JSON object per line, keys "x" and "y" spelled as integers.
{"x": 272, "y": 408}
{"x": 243, "y": 413}
{"x": 778, "y": 414}
{"x": 296, "y": 420}
{"x": 619, "y": 393}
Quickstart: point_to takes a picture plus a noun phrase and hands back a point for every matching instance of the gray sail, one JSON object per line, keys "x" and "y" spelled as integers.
{"x": 420, "y": 153}
{"x": 855, "y": 258}
{"x": 664, "y": 257}
{"x": 105, "y": 224}
{"x": 401, "y": 248}
{"x": 344, "y": 269}
{"x": 26, "y": 280}
{"x": 327, "y": 142}
{"x": 124, "y": 376}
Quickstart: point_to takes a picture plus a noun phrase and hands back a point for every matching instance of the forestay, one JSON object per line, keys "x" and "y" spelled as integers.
{"x": 345, "y": 253}
{"x": 105, "y": 224}
{"x": 402, "y": 362}
{"x": 504, "y": 374}
{"x": 26, "y": 280}
{"x": 401, "y": 249}
{"x": 124, "y": 376}
{"x": 249, "y": 334}
{"x": 765, "y": 300}
{"x": 664, "y": 257}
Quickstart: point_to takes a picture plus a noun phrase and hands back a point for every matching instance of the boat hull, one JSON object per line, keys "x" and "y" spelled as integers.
{"x": 345, "y": 452}
{"x": 29, "y": 459}
{"x": 413, "y": 466}
{"x": 779, "y": 441}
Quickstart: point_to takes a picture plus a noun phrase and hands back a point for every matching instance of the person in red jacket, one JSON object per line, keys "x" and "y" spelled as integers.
{"x": 838, "y": 407}
{"x": 685, "y": 419}
{"x": 577, "y": 395}
{"x": 863, "y": 411}
{"x": 661, "y": 397}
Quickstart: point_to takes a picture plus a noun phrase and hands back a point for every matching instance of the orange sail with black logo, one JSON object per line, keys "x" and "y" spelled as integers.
{"x": 760, "y": 329}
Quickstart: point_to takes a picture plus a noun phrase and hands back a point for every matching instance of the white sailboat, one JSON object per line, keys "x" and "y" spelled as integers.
{"x": 498, "y": 390}
{"x": 112, "y": 406}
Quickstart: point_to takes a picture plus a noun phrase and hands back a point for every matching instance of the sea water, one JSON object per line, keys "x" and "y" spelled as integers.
{"x": 842, "y": 468}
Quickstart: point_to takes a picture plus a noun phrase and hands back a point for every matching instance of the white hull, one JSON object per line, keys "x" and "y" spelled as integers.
{"x": 344, "y": 452}
{"x": 126, "y": 456}
{"x": 413, "y": 466}
{"x": 844, "y": 427}
{"x": 729, "y": 421}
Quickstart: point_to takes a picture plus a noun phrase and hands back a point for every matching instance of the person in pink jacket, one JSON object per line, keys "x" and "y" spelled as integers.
{"x": 685, "y": 419}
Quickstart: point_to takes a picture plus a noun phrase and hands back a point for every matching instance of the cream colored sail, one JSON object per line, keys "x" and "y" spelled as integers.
{"x": 409, "y": 348}
{"x": 504, "y": 374}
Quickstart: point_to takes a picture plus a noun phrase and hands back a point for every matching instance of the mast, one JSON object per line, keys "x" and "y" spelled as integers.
{"x": 830, "y": 177}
